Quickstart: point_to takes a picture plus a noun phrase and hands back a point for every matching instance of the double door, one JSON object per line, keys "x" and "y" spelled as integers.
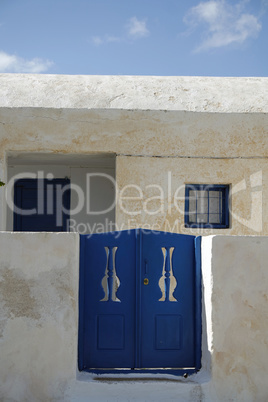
{"x": 139, "y": 301}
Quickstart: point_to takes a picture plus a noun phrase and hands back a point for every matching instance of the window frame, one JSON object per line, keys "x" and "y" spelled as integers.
{"x": 224, "y": 188}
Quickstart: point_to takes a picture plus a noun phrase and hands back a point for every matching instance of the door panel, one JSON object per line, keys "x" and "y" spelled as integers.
{"x": 109, "y": 300}
{"x": 168, "y": 314}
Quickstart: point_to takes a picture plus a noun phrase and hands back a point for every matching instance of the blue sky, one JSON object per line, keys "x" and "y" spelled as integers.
{"x": 139, "y": 37}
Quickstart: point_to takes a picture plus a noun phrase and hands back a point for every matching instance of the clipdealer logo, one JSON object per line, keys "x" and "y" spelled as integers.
{"x": 132, "y": 201}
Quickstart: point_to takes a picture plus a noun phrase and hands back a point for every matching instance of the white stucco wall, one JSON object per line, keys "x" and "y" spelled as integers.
{"x": 197, "y": 94}
{"x": 39, "y": 304}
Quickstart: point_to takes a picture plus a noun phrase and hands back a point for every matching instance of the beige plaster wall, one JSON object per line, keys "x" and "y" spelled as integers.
{"x": 199, "y": 129}
{"x": 159, "y": 204}
{"x": 39, "y": 304}
{"x": 194, "y": 147}
{"x": 134, "y": 132}
{"x": 235, "y": 278}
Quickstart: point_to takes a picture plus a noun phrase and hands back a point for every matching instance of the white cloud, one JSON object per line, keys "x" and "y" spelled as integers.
{"x": 110, "y": 38}
{"x": 137, "y": 28}
{"x": 100, "y": 40}
{"x": 97, "y": 40}
{"x": 13, "y": 64}
{"x": 223, "y": 23}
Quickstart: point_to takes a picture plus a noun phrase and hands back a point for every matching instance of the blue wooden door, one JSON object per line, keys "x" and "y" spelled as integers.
{"x": 167, "y": 301}
{"x": 139, "y": 301}
{"x": 107, "y": 300}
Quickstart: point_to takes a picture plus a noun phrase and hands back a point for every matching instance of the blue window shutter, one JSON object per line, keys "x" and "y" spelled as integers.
{"x": 51, "y": 217}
